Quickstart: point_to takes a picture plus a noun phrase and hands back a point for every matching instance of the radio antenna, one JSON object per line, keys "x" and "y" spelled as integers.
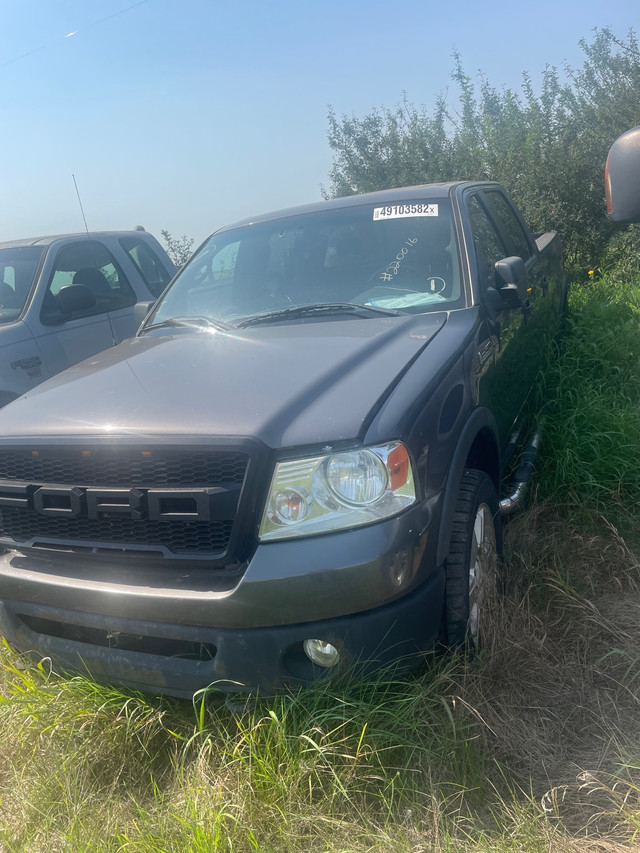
{"x": 81, "y": 208}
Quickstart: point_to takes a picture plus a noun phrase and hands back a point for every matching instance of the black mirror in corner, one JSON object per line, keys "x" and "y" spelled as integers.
{"x": 511, "y": 281}
{"x": 75, "y": 297}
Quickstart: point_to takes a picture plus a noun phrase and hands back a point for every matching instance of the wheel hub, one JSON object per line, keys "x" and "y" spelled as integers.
{"x": 481, "y": 566}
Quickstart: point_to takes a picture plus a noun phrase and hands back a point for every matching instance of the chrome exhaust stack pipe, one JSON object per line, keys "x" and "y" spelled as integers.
{"x": 523, "y": 474}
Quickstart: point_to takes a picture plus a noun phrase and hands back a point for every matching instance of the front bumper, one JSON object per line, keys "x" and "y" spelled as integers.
{"x": 233, "y": 660}
{"x": 373, "y": 592}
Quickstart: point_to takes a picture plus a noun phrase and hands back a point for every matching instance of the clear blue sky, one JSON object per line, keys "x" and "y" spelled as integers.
{"x": 190, "y": 114}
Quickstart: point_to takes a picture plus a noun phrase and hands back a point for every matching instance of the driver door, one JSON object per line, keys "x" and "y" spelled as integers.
{"x": 506, "y": 356}
{"x": 66, "y": 339}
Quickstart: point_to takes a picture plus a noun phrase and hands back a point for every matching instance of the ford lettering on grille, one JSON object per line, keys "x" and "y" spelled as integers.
{"x": 136, "y": 504}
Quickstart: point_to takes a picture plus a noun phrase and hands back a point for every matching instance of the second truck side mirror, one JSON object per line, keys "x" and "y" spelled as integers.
{"x": 75, "y": 297}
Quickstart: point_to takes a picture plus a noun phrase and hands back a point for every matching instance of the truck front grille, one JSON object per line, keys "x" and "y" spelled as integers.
{"x": 178, "y": 537}
{"x": 111, "y": 468}
{"x": 155, "y": 501}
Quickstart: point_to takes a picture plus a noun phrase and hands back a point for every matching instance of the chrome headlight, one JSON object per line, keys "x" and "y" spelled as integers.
{"x": 337, "y": 490}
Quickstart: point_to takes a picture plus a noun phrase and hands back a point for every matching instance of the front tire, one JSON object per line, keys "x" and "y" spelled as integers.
{"x": 471, "y": 567}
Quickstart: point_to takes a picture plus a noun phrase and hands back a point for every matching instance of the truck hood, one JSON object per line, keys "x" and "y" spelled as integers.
{"x": 286, "y": 384}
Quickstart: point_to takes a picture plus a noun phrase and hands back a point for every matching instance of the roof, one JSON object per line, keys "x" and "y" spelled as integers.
{"x": 46, "y": 241}
{"x": 418, "y": 192}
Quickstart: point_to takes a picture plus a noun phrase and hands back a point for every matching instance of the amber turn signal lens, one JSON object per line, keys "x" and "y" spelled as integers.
{"x": 398, "y": 465}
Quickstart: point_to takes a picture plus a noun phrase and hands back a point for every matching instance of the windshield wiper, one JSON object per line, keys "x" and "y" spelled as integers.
{"x": 316, "y": 308}
{"x": 185, "y": 322}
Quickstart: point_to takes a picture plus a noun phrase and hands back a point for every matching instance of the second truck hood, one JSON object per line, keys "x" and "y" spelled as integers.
{"x": 291, "y": 384}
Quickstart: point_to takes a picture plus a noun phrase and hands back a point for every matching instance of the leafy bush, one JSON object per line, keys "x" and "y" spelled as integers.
{"x": 547, "y": 147}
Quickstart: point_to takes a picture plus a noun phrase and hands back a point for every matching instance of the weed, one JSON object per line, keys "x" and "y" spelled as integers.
{"x": 593, "y": 433}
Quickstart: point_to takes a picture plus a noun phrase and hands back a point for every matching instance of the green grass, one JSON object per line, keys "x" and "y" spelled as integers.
{"x": 533, "y": 746}
{"x": 593, "y": 436}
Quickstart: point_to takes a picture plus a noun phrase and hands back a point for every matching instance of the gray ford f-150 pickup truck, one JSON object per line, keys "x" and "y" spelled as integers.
{"x": 297, "y": 466}
{"x": 66, "y": 297}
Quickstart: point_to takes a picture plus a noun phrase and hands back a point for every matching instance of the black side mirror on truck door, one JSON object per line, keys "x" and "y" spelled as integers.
{"x": 622, "y": 177}
{"x": 511, "y": 285}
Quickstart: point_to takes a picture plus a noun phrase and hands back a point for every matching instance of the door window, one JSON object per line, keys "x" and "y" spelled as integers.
{"x": 90, "y": 264}
{"x": 517, "y": 241}
{"x": 487, "y": 242}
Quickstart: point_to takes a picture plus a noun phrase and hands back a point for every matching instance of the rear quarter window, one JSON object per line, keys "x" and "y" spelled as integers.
{"x": 148, "y": 264}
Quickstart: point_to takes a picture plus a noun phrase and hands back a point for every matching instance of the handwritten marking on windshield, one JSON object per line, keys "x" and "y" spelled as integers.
{"x": 394, "y": 266}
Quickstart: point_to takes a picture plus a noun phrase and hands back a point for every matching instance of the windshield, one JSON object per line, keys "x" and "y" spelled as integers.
{"x": 400, "y": 257}
{"x": 18, "y": 267}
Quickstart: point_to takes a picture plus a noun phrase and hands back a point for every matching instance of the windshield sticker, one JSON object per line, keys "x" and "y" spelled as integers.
{"x": 394, "y": 266}
{"x": 400, "y": 211}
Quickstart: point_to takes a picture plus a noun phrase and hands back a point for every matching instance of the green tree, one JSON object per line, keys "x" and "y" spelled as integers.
{"x": 179, "y": 249}
{"x": 547, "y": 145}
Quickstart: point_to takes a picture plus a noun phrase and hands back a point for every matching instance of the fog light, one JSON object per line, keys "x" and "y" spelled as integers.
{"x": 321, "y": 653}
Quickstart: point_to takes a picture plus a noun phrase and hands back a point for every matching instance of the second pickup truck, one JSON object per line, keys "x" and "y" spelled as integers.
{"x": 298, "y": 465}
{"x": 64, "y": 298}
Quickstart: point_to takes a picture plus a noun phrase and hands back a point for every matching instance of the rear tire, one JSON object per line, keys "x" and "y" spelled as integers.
{"x": 471, "y": 568}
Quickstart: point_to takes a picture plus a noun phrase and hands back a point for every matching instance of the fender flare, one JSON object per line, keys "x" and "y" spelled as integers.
{"x": 480, "y": 419}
